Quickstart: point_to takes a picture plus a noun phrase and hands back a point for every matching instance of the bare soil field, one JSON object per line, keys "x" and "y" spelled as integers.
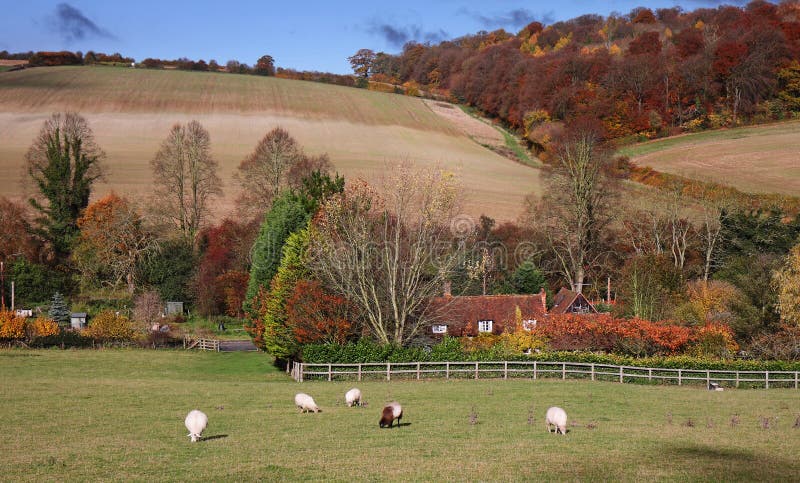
{"x": 364, "y": 132}
{"x": 761, "y": 159}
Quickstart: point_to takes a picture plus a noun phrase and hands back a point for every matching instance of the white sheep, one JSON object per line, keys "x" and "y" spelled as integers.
{"x": 556, "y": 417}
{"x": 353, "y": 397}
{"x": 391, "y": 412}
{"x": 196, "y": 422}
{"x": 305, "y": 403}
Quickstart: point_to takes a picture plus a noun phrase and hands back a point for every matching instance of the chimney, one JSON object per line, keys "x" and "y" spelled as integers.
{"x": 447, "y": 288}
{"x": 543, "y": 296}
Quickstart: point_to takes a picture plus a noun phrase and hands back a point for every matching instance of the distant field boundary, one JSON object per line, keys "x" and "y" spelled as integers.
{"x": 300, "y": 372}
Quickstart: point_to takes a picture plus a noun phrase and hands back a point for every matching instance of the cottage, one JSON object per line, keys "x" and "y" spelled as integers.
{"x": 489, "y": 314}
{"x": 77, "y": 320}
{"x": 568, "y": 302}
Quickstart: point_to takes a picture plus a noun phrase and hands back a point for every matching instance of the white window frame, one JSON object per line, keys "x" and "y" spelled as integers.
{"x": 439, "y": 329}
{"x": 485, "y": 326}
{"x": 529, "y": 324}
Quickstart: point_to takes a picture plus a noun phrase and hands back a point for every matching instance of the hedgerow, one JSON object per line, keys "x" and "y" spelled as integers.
{"x": 451, "y": 349}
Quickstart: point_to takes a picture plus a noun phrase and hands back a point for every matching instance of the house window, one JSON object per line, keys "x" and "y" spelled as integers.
{"x": 529, "y": 324}
{"x": 439, "y": 329}
{"x": 484, "y": 326}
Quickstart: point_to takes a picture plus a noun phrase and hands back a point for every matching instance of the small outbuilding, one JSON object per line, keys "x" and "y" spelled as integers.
{"x": 174, "y": 308}
{"x": 77, "y": 320}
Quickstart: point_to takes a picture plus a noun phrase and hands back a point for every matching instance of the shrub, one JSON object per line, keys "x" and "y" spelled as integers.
{"x": 109, "y": 327}
{"x": 12, "y": 327}
{"x": 41, "y": 328}
{"x": 715, "y": 340}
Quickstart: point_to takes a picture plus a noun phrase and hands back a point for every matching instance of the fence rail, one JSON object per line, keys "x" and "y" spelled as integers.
{"x": 300, "y": 372}
{"x": 202, "y": 344}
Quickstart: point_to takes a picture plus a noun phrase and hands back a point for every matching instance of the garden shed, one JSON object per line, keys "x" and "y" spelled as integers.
{"x": 77, "y": 320}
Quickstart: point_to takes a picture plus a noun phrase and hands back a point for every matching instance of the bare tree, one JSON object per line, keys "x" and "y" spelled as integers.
{"x": 263, "y": 174}
{"x": 186, "y": 178}
{"x": 389, "y": 255}
{"x": 147, "y": 309}
{"x": 577, "y": 206}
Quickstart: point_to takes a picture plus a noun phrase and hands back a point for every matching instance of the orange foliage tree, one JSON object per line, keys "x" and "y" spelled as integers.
{"x": 317, "y": 316}
{"x": 112, "y": 242}
{"x": 12, "y": 327}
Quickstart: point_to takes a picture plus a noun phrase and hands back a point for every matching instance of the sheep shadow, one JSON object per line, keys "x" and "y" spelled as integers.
{"x": 397, "y": 425}
{"x": 216, "y": 436}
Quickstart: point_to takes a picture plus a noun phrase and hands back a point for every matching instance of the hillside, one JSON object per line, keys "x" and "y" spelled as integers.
{"x": 760, "y": 159}
{"x": 131, "y": 111}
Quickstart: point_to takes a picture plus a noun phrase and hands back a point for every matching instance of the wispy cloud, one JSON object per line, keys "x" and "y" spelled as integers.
{"x": 397, "y": 36}
{"x": 73, "y": 25}
{"x": 516, "y": 18}
{"x": 716, "y": 3}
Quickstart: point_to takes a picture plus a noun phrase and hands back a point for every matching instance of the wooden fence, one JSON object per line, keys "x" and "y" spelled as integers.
{"x": 300, "y": 372}
{"x": 202, "y": 344}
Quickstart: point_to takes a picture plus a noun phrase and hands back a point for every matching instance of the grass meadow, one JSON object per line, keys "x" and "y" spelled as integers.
{"x": 364, "y": 132}
{"x": 758, "y": 159}
{"x": 118, "y": 415}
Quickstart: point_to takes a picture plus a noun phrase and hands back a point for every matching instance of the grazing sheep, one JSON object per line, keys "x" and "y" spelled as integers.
{"x": 391, "y": 412}
{"x": 353, "y": 397}
{"x": 306, "y": 403}
{"x": 196, "y": 422}
{"x": 556, "y": 417}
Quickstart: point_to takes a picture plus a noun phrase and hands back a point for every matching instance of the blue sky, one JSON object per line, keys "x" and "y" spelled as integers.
{"x": 305, "y": 35}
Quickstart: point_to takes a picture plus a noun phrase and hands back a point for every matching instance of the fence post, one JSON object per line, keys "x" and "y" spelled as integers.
{"x": 534, "y": 370}
{"x": 302, "y": 366}
{"x": 388, "y": 371}
{"x": 593, "y": 371}
{"x": 649, "y": 374}
{"x": 476, "y": 370}
{"x": 563, "y": 370}
{"x": 795, "y": 379}
{"x": 679, "y": 377}
{"x": 359, "y": 371}
{"x": 766, "y": 380}
{"x": 417, "y": 375}
{"x": 620, "y": 374}
{"x": 505, "y": 369}
{"x": 330, "y": 373}
{"x": 708, "y": 378}
{"x": 447, "y": 370}
{"x": 737, "y": 379}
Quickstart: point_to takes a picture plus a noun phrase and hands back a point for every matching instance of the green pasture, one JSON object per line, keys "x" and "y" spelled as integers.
{"x": 118, "y": 415}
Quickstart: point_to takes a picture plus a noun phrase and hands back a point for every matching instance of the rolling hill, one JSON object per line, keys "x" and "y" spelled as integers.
{"x": 131, "y": 111}
{"x": 759, "y": 159}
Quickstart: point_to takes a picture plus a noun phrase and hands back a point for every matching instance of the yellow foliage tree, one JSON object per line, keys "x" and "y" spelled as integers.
{"x": 42, "y": 327}
{"x": 110, "y": 327}
{"x": 710, "y": 301}
{"x": 787, "y": 283}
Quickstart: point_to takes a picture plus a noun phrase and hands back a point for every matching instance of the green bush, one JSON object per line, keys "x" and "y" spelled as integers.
{"x": 449, "y": 349}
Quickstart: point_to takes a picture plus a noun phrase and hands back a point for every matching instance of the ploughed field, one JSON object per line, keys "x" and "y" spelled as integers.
{"x": 758, "y": 159}
{"x": 131, "y": 111}
{"x": 118, "y": 414}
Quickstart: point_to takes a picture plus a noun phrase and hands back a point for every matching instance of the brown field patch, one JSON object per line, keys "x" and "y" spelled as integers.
{"x": 362, "y": 131}
{"x": 762, "y": 159}
{"x": 12, "y": 62}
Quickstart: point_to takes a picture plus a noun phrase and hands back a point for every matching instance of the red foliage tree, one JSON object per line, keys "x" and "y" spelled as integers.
{"x": 224, "y": 248}
{"x": 317, "y": 316}
{"x": 647, "y": 43}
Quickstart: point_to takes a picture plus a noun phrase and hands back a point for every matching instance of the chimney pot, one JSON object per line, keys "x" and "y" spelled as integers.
{"x": 448, "y": 289}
